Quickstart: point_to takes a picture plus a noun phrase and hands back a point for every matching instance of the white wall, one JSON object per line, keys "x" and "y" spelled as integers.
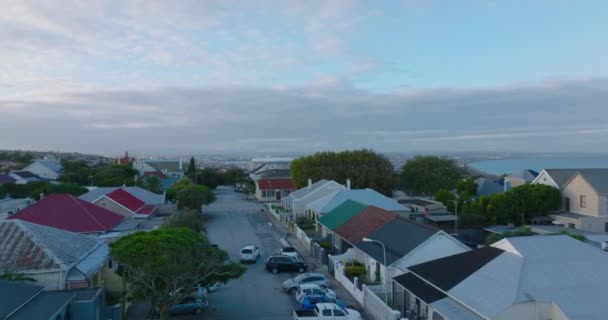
{"x": 577, "y": 187}
{"x": 544, "y": 178}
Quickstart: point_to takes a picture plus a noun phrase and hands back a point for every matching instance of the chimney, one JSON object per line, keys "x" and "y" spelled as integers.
{"x": 348, "y": 183}
{"x": 309, "y": 183}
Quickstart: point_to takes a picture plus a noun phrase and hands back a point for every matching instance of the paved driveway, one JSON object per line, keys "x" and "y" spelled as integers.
{"x": 232, "y": 222}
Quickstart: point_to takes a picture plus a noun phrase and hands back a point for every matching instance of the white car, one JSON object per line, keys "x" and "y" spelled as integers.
{"x": 313, "y": 288}
{"x": 250, "y": 253}
{"x": 289, "y": 251}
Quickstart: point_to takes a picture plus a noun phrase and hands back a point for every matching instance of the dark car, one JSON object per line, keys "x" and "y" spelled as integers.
{"x": 309, "y": 301}
{"x": 192, "y": 304}
{"x": 281, "y": 263}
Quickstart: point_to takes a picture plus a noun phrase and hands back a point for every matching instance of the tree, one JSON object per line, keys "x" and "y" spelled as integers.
{"x": 152, "y": 184}
{"x": 166, "y": 264}
{"x": 191, "y": 170}
{"x": 114, "y": 176}
{"x": 425, "y": 175}
{"x": 466, "y": 189}
{"x": 446, "y": 197}
{"x": 190, "y": 219}
{"x": 210, "y": 178}
{"x": 77, "y": 172}
{"x": 35, "y": 189}
{"x": 178, "y": 186}
{"x": 365, "y": 168}
{"x": 234, "y": 176}
{"x": 194, "y": 197}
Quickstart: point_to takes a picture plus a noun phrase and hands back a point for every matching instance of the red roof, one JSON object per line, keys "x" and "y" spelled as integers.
{"x": 364, "y": 224}
{"x": 126, "y": 199}
{"x": 64, "y": 211}
{"x": 276, "y": 184}
{"x": 147, "y": 209}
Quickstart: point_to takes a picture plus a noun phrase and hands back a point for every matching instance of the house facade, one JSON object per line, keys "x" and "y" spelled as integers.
{"x": 297, "y": 201}
{"x": 273, "y": 189}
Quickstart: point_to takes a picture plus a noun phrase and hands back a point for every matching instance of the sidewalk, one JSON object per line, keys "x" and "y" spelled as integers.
{"x": 314, "y": 265}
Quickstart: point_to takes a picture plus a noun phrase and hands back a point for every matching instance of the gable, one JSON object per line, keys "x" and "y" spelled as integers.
{"x": 112, "y": 206}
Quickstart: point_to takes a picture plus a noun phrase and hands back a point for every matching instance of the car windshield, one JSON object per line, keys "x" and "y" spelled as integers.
{"x": 289, "y": 249}
{"x": 246, "y": 251}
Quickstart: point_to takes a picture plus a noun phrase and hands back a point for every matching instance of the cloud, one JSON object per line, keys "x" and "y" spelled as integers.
{"x": 327, "y": 114}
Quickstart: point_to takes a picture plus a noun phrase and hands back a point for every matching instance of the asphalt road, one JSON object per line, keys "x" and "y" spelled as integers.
{"x": 233, "y": 222}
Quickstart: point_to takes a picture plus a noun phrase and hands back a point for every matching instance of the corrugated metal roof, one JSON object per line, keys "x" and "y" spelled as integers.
{"x": 126, "y": 199}
{"x": 45, "y": 306}
{"x": 363, "y": 224}
{"x": 365, "y": 196}
{"x": 27, "y": 246}
{"x": 14, "y": 294}
{"x": 341, "y": 214}
{"x": 302, "y": 192}
{"x": 140, "y": 193}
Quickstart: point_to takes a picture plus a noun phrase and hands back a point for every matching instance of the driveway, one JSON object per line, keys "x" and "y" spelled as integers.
{"x": 232, "y": 222}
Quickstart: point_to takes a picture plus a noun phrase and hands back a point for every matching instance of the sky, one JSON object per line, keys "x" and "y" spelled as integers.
{"x": 301, "y": 76}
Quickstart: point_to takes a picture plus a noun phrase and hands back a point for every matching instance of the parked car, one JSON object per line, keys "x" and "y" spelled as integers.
{"x": 192, "y": 304}
{"x": 313, "y": 288}
{"x": 250, "y": 253}
{"x": 289, "y": 251}
{"x": 310, "y": 300}
{"x": 291, "y": 286}
{"x": 281, "y": 263}
{"x": 327, "y": 311}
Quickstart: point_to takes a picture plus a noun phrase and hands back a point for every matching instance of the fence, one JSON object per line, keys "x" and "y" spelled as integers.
{"x": 350, "y": 286}
{"x": 301, "y": 235}
{"x": 375, "y": 306}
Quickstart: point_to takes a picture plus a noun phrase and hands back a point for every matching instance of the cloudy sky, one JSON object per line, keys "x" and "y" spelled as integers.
{"x": 222, "y": 76}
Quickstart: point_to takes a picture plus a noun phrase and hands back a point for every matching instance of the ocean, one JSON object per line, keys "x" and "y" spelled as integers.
{"x": 514, "y": 165}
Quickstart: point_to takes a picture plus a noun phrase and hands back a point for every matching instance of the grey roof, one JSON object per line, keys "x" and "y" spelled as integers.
{"x": 15, "y": 294}
{"x": 526, "y": 175}
{"x": 127, "y": 224}
{"x": 598, "y": 178}
{"x": 90, "y": 264}
{"x": 140, "y": 193}
{"x": 168, "y": 165}
{"x": 364, "y": 196}
{"x": 561, "y": 176}
{"x": 417, "y": 201}
{"x": 25, "y": 174}
{"x": 441, "y": 217}
{"x": 53, "y": 165}
{"x": 45, "y": 306}
{"x": 567, "y": 214}
{"x": 28, "y": 246}
{"x": 486, "y": 186}
{"x": 302, "y": 192}
{"x": 400, "y": 236}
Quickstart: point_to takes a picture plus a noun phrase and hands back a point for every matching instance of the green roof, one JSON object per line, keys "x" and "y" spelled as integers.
{"x": 342, "y": 213}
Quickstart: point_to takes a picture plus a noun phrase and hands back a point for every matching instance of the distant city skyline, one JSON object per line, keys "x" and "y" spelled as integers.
{"x": 155, "y": 77}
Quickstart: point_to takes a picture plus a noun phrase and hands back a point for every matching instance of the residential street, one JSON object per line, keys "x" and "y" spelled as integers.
{"x": 232, "y": 222}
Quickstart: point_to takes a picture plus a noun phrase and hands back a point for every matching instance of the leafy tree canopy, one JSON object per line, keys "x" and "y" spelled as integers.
{"x": 165, "y": 265}
{"x": 35, "y": 189}
{"x": 194, "y": 196}
{"x": 365, "y": 168}
{"x": 425, "y": 175}
{"x": 191, "y": 170}
{"x": 446, "y": 197}
{"x": 178, "y": 186}
{"x": 151, "y": 183}
{"x": 466, "y": 189}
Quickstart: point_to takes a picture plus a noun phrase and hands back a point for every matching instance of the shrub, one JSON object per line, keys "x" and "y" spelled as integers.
{"x": 325, "y": 245}
{"x": 354, "y": 271}
{"x": 190, "y": 219}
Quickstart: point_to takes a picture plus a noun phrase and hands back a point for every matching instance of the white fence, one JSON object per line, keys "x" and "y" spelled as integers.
{"x": 348, "y": 284}
{"x": 376, "y": 307}
{"x": 301, "y": 235}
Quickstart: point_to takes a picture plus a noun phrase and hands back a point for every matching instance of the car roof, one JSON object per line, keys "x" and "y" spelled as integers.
{"x": 310, "y": 285}
{"x": 248, "y": 246}
{"x": 313, "y": 274}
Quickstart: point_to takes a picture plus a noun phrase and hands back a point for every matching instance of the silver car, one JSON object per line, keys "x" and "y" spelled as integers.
{"x": 290, "y": 286}
{"x": 312, "y": 288}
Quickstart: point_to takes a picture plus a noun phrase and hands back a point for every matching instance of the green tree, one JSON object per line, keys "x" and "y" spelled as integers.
{"x": 191, "y": 170}
{"x": 166, "y": 264}
{"x": 425, "y": 175}
{"x": 152, "y": 184}
{"x": 210, "y": 177}
{"x": 365, "y": 168}
{"x": 234, "y": 176}
{"x": 194, "y": 197}
{"x": 466, "y": 189}
{"x": 77, "y": 172}
{"x": 178, "y": 186}
{"x": 3, "y": 192}
{"x": 9, "y": 275}
{"x": 35, "y": 189}
{"x": 114, "y": 176}
{"x": 446, "y": 197}
{"x": 190, "y": 219}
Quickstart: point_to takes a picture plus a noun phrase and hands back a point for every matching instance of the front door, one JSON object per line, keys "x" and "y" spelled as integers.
{"x": 277, "y": 195}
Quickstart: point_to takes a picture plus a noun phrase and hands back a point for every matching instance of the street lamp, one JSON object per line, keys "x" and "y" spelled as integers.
{"x": 385, "y": 266}
{"x": 456, "y": 220}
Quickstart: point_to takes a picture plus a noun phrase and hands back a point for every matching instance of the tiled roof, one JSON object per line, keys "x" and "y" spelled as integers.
{"x": 363, "y": 224}
{"x": 28, "y": 246}
{"x": 126, "y": 199}
{"x": 64, "y": 211}
{"x": 341, "y": 214}
{"x": 5, "y": 178}
{"x": 276, "y": 184}
{"x": 400, "y": 236}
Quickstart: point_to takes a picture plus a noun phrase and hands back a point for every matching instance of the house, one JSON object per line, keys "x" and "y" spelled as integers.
{"x": 169, "y": 168}
{"x": 556, "y": 178}
{"x": 48, "y": 168}
{"x": 126, "y": 201}
{"x": 25, "y": 301}
{"x": 125, "y": 160}
{"x": 421, "y": 208}
{"x": 56, "y": 259}
{"x": 23, "y": 177}
{"x": 585, "y": 201}
{"x": 5, "y": 178}
{"x": 519, "y": 179}
{"x": 67, "y": 212}
{"x": 297, "y": 200}
{"x": 10, "y": 206}
{"x": 524, "y": 278}
{"x": 487, "y": 186}
{"x": 273, "y": 189}
{"x": 367, "y": 196}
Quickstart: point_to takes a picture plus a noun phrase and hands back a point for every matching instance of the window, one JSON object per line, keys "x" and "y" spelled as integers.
{"x": 606, "y": 227}
{"x": 327, "y": 313}
{"x": 339, "y": 313}
{"x": 567, "y": 204}
{"x": 583, "y": 200}
{"x": 571, "y": 226}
